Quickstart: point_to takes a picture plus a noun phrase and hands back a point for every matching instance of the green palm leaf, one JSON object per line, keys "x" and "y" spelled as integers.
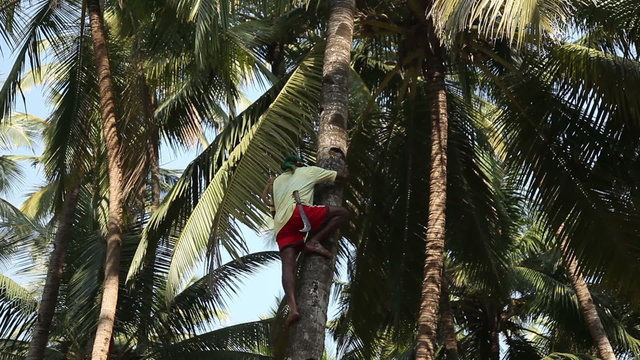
{"x": 20, "y": 130}
{"x": 200, "y": 304}
{"x": 17, "y": 311}
{"x": 509, "y": 19}
{"x": 48, "y": 22}
{"x": 597, "y": 81}
{"x": 237, "y": 338}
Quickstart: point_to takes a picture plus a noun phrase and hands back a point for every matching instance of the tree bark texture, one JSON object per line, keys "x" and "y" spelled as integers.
{"x": 112, "y": 140}
{"x": 448, "y": 324}
{"x": 306, "y": 340}
{"x": 55, "y": 271}
{"x": 434, "y": 262}
{"x": 588, "y": 308}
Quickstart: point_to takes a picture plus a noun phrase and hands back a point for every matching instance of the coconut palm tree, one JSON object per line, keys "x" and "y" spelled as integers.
{"x": 306, "y": 338}
{"x": 52, "y": 20}
{"x": 117, "y": 191}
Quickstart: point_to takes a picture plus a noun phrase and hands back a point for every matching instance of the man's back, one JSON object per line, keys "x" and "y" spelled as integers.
{"x": 303, "y": 180}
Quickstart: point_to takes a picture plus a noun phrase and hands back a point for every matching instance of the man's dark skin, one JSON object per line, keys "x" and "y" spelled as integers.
{"x": 335, "y": 217}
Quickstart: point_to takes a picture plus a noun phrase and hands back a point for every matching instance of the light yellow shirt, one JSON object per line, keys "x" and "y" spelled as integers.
{"x": 303, "y": 180}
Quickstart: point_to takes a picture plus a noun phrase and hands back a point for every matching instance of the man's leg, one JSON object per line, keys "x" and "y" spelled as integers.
{"x": 288, "y": 257}
{"x": 336, "y": 216}
{"x": 315, "y": 247}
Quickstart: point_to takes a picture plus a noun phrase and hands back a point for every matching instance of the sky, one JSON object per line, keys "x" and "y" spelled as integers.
{"x": 260, "y": 293}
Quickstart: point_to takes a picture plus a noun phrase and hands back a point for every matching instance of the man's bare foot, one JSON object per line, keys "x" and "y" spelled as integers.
{"x": 315, "y": 247}
{"x": 292, "y": 318}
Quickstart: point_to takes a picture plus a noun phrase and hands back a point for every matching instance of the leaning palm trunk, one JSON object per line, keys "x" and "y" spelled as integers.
{"x": 434, "y": 262}
{"x": 307, "y": 335}
{"x": 112, "y": 140}
{"x": 49, "y": 300}
{"x": 587, "y": 306}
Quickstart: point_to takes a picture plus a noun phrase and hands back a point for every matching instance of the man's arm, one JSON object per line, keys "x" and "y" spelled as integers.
{"x": 341, "y": 177}
{"x": 267, "y": 195}
{"x": 325, "y": 175}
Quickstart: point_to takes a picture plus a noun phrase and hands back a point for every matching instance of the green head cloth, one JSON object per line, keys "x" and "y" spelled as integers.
{"x": 290, "y": 162}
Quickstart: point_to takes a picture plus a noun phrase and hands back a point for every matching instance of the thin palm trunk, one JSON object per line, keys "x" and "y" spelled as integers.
{"x": 587, "y": 307}
{"x": 153, "y": 145}
{"x": 434, "y": 252}
{"x": 306, "y": 339}
{"x": 112, "y": 140}
{"x": 154, "y": 154}
{"x": 276, "y": 59}
{"x": 153, "y": 149}
{"x": 494, "y": 331}
{"x": 49, "y": 300}
{"x": 152, "y": 158}
{"x": 448, "y": 325}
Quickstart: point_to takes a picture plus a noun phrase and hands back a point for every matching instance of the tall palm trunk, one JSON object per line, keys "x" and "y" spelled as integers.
{"x": 446, "y": 315}
{"x": 587, "y": 307}
{"x": 49, "y": 300}
{"x": 153, "y": 152}
{"x": 434, "y": 261}
{"x": 116, "y": 190}
{"x": 307, "y": 335}
{"x": 153, "y": 140}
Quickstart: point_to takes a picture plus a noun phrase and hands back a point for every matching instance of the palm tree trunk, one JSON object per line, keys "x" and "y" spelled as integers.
{"x": 49, "y": 300}
{"x": 494, "y": 335}
{"x": 154, "y": 154}
{"x": 276, "y": 59}
{"x": 153, "y": 150}
{"x": 112, "y": 140}
{"x": 588, "y": 308}
{"x": 434, "y": 262}
{"x": 153, "y": 146}
{"x": 306, "y": 341}
{"x": 446, "y": 315}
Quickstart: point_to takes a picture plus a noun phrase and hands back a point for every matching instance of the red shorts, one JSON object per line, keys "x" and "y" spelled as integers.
{"x": 290, "y": 234}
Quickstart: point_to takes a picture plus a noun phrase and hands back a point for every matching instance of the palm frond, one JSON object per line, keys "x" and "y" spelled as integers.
{"x": 10, "y": 174}
{"x": 21, "y": 130}
{"x": 12, "y": 13}
{"x": 204, "y": 299}
{"x": 73, "y": 133}
{"x": 511, "y": 20}
{"x": 567, "y": 356}
{"x": 211, "y": 19}
{"x": 253, "y": 336}
{"x": 48, "y": 22}
{"x": 17, "y": 230}
{"x": 596, "y": 81}
{"x": 40, "y": 203}
{"x": 17, "y": 310}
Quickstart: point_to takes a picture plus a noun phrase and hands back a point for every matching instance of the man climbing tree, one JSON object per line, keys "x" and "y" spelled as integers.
{"x": 295, "y": 216}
